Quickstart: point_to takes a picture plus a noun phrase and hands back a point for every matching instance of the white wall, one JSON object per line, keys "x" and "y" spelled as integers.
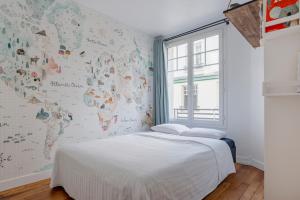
{"x": 257, "y": 108}
{"x": 244, "y": 75}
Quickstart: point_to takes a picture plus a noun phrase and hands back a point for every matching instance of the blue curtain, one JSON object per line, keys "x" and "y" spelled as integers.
{"x": 161, "y": 103}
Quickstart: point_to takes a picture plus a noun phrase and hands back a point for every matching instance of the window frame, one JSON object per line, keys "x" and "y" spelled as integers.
{"x": 190, "y": 39}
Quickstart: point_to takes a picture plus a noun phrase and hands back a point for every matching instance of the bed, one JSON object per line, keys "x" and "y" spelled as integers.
{"x": 142, "y": 166}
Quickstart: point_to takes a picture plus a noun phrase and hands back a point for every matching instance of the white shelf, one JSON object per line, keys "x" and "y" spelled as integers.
{"x": 281, "y": 94}
{"x": 281, "y": 83}
{"x": 281, "y": 89}
{"x": 283, "y": 20}
{"x": 280, "y": 33}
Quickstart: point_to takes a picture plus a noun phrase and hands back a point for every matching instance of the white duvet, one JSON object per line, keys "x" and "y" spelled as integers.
{"x": 142, "y": 166}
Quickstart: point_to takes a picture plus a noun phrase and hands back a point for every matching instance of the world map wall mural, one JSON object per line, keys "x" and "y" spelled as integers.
{"x": 67, "y": 74}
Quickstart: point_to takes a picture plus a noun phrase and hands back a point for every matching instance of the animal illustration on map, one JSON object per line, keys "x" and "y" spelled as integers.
{"x": 4, "y": 159}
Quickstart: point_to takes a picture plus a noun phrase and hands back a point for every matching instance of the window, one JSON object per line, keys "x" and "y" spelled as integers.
{"x": 195, "y": 79}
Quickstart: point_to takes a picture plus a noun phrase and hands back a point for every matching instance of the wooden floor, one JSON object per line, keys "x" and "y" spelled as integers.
{"x": 246, "y": 184}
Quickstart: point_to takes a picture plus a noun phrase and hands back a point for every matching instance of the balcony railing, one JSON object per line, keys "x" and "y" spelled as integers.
{"x": 199, "y": 114}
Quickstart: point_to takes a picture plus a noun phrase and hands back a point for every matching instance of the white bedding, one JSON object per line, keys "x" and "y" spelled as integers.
{"x": 142, "y": 166}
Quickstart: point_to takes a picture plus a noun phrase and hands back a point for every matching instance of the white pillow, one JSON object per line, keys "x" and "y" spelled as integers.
{"x": 204, "y": 132}
{"x": 175, "y": 129}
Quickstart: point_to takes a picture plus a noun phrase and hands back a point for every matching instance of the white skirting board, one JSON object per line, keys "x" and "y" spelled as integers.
{"x": 23, "y": 180}
{"x": 258, "y": 164}
{"x": 250, "y": 161}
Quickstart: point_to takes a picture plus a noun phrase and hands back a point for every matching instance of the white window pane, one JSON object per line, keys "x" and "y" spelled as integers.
{"x": 172, "y": 53}
{"x": 182, "y": 63}
{"x": 206, "y": 100}
{"x": 182, "y": 50}
{"x": 199, "y": 46}
{"x": 199, "y": 60}
{"x": 177, "y": 84}
{"x": 207, "y": 71}
{"x": 212, "y": 57}
{"x": 212, "y": 43}
{"x": 172, "y": 65}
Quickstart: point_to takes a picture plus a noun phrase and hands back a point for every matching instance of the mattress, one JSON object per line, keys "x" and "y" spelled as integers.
{"x": 142, "y": 166}
{"x": 232, "y": 147}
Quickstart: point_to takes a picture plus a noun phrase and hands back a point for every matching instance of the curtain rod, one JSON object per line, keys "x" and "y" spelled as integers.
{"x": 216, "y": 23}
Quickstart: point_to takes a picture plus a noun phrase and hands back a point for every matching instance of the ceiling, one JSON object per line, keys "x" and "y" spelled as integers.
{"x": 161, "y": 17}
